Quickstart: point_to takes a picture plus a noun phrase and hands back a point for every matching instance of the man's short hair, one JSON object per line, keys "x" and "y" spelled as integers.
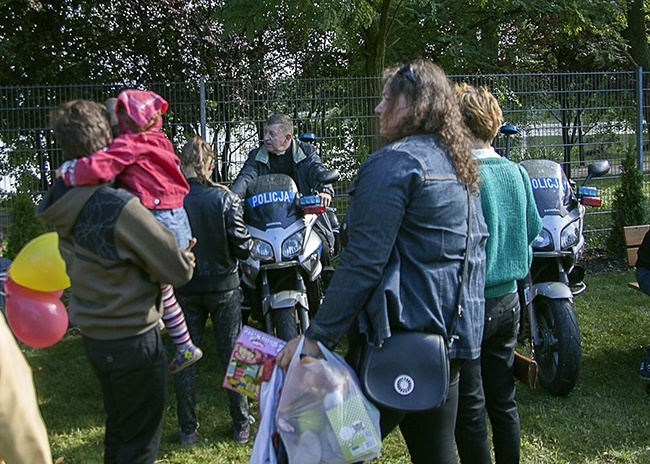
{"x": 80, "y": 127}
{"x": 283, "y": 120}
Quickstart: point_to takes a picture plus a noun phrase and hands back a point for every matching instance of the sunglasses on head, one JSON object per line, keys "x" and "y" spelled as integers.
{"x": 408, "y": 73}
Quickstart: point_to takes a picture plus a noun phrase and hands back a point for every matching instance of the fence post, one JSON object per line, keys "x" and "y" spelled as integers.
{"x": 204, "y": 131}
{"x": 639, "y": 118}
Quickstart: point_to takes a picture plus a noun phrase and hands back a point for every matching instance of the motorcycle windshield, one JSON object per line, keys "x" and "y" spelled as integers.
{"x": 270, "y": 202}
{"x": 552, "y": 191}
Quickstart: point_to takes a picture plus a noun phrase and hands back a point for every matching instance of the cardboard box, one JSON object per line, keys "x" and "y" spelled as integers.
{"x": 353, "y": 429}
{"x": 252, "y": 361}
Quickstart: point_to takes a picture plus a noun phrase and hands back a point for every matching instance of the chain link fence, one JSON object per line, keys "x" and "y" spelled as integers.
{"x": 572, "y": 118}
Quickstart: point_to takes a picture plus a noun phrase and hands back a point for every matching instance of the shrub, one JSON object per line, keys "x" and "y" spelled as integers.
{"x": 24, "y": 224}
{"x": 628, "y": 204}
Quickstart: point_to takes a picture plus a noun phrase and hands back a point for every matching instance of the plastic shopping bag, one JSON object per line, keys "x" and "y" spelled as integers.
{"x": 263, "y": 450}
{"x": 323, "y": 415}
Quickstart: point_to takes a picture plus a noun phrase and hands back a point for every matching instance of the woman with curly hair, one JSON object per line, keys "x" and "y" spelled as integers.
{"x": 408, "y": 234}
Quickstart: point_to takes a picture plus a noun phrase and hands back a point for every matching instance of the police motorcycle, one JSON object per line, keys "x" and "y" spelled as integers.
{"x": 282, "y": 276}
{"x": 555, "y": 277}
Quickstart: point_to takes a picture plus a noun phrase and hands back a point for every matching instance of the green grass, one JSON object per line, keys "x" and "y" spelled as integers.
{"x": 604, "y": 420}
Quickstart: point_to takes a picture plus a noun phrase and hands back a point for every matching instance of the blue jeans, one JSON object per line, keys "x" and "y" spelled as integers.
{"x": 175, "y": 220}
{"x": 224, "y": 309}
{"x": 488, "y": 384}
{"x": 643, "y": 278}
{"x": 132, "y": 373}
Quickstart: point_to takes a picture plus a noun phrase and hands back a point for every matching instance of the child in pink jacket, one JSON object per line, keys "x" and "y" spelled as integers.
{"x": 142, "y": 160}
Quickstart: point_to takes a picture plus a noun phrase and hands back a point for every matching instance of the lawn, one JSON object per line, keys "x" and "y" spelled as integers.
{"x": 606, "y": 419}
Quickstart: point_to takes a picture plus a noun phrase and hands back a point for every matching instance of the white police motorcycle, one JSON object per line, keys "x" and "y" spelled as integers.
{"x": 555, "y": 278}
{"x": 282, "y": 276}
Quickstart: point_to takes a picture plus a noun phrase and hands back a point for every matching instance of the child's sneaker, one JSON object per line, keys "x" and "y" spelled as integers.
{"x": 242, "y": 432}
{"x": 644, "y": 370}
{"x": 185, "y": 358}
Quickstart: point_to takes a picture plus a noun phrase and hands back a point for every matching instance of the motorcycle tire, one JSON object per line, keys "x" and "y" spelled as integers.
{"x": 314, "y": 296}
{"x": 285, "y": 323}
{"x": 559, "y": 353}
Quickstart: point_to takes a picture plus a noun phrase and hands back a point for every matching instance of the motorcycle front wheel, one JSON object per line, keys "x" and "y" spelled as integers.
{"x": 285, "y": 323}
{"x": 558, "y": 354}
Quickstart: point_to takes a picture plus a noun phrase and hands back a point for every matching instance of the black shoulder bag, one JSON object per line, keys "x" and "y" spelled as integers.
{"x": 410, "y": 372}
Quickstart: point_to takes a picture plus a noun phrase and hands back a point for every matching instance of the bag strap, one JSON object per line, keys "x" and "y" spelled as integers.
{"x": 528, "y": 299}
{"x": 459, "y": 307}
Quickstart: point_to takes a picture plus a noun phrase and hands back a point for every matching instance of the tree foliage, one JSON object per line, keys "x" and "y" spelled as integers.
{"x": 64, "y": 41}
{"x": 72, "y": 41}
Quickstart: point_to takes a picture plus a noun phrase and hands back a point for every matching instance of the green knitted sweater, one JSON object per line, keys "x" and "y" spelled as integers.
{"x": 512, "y": 220}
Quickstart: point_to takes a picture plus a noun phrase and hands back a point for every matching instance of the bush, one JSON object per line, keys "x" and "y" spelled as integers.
{"x": 628, "y": 204}
{"x": 24, "y": 225}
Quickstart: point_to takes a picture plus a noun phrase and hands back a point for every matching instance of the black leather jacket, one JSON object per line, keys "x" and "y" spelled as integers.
{"x": 217, "y": 220}
{"x": 307, "y": 167}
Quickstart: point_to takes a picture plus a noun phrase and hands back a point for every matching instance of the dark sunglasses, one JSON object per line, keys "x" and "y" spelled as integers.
{"x": 408, "y": 73}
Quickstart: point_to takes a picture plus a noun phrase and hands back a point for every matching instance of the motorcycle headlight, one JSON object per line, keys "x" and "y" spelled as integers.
{"x": 262, "y": 251}
{"x": 292, "y": 246}
{"x": 543, "y": 241}
{"x": 570, "y": 235}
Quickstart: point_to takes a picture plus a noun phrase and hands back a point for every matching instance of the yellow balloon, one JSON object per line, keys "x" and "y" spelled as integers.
{"x": 39, "y": 265}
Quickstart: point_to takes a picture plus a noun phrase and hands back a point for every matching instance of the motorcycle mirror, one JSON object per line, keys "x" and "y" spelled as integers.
{"x": 328, "y": 177}
{"x": 508, "y": 129}
{"x": 597, "y": 169}
{"x": 307, "y": 137}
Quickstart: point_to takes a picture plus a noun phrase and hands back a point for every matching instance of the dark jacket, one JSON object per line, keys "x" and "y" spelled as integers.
{"x": 401, "y": 268}
{"x": 643, "y": 254}
{"x": 117, "y": 255}
{"x": 217, "y": 220}
{"x": 307, "y": 168}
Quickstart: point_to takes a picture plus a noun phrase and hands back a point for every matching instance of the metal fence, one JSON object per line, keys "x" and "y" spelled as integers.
{"x": 572, "y": 118}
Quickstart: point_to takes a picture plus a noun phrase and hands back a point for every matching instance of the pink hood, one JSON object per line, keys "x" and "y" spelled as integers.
{"x": 142, "y": 106}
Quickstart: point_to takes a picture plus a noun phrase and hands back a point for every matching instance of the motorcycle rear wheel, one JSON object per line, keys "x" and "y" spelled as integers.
{"x": 559, "y": 353}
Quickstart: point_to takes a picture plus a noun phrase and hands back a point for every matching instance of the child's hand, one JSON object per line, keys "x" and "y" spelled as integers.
{"x": 64, "y": 170}
{"x": 188, "y": 252}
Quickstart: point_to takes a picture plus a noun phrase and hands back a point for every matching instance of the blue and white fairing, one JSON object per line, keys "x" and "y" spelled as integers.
{"x": 282, "y": 233}
{"x": 271, "y": 202}
{"x": 553, "y": 193}
{"x": 559, "y": 208}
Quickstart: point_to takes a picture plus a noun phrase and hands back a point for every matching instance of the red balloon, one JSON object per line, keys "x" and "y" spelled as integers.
{"x": 36, "y": 318}
{"x": 10, "y": 287}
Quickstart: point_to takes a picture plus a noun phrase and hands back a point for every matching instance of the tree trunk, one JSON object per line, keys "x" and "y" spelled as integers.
{"x": 636, "y": 35}
{"x": 375, "y": 53}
